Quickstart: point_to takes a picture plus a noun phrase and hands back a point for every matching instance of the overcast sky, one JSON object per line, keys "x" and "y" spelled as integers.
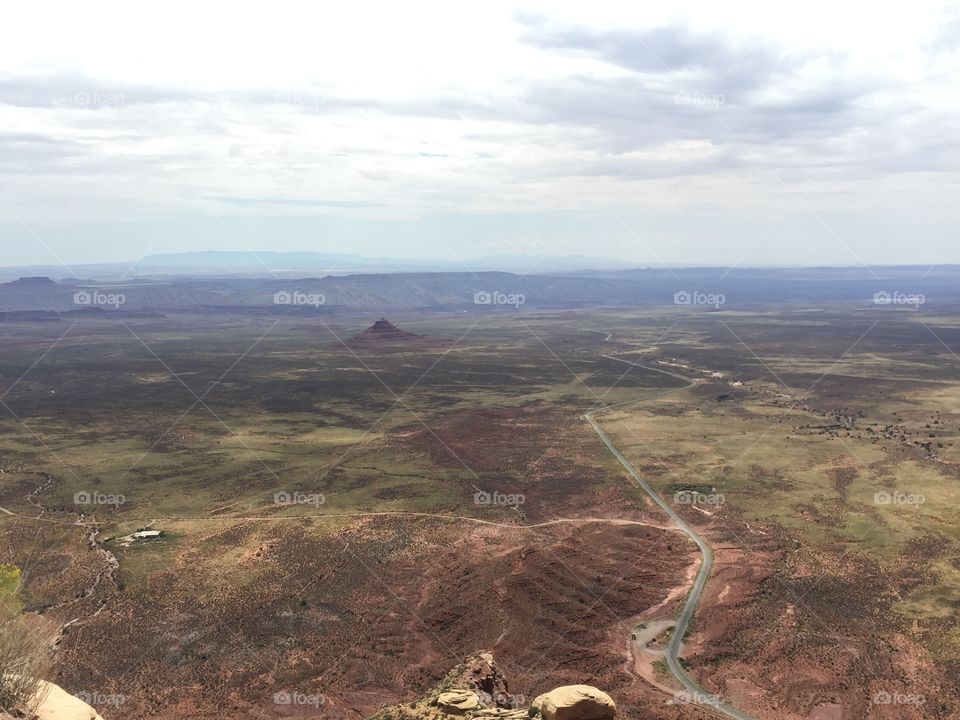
{"x": 735, "y": 133}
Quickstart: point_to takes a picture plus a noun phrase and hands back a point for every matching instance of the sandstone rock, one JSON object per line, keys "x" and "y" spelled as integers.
{"x": 477, "y": 689}
{"x": 575, "y": 702}
{"x": 458, "y": 701}
{"x": 501, "y": 713}
{"x": 482, "y": 673}
{"x": 57, "y": 704}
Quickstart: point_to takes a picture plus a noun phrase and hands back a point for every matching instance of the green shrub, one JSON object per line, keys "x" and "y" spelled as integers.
{"x": 24, "y": 654}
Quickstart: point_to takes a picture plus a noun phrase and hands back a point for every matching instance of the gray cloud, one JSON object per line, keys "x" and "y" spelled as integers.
{"x": 947, "y": 38}
{"x": 663, "y": 50}
{"x": 685, "y": 104}
{"x": 22, "y": 152}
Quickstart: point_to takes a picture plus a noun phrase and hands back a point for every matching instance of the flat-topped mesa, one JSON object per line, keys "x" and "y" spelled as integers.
{"x": 33, "y": 283}
{"x": 385, "y": 328}
{"x": 382, "y": 330}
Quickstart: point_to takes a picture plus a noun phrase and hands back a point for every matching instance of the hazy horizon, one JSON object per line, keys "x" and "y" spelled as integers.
{"x": 523, "y": 264}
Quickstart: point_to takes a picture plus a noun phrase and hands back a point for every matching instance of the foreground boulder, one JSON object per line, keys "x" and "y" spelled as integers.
{"x": 477, "y": 689}
{"x": 57, "y": 704}
{"x": 458, "y": 701}
{"x": 575, "y": 702}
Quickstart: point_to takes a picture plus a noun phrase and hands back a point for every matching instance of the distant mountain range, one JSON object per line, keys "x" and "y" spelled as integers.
{"x": 258, "y": 264}
{"x": 484, "y": 292}
{"x": 333, "y": 263}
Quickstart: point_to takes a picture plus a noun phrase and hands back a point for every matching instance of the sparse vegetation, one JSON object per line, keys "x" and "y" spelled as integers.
{"x": 24, "y": 653}
{"x": 501, "y": 412}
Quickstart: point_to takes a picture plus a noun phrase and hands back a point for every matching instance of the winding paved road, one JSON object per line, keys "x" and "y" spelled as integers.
{"x": 695, "y": 693}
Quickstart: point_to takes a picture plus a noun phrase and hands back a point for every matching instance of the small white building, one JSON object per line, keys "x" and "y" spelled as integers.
{"x": 147, "y": 534}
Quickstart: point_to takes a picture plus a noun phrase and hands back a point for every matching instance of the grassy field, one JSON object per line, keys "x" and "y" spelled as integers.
{"x": 848, "y": 446}
{"x": 119, "y": 412}
{"x": 187, "y": 424}
{"x": 837, "y": 433}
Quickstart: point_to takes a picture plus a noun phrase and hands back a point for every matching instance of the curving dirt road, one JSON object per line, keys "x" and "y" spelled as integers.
{"x": 694, "y": 692}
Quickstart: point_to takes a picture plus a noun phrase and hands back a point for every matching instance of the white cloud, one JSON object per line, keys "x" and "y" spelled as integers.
{"x": 511, "y": 122}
